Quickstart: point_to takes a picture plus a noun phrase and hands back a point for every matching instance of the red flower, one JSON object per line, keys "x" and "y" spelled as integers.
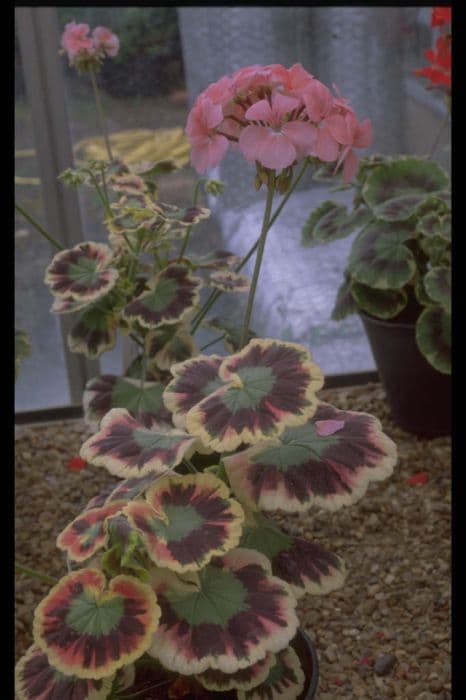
{"x": 76, "y": 464}
{"x": 440, "y": 16}
{"x": 439, "y": 73}
{"x": 418, "y": 479}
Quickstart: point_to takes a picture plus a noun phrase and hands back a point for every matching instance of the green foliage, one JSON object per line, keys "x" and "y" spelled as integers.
{"x": 402, "y": 204}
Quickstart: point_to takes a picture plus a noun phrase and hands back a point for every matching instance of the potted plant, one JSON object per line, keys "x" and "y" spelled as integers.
{"x": 180, "y": 583}
{"x": 398, "y": 275}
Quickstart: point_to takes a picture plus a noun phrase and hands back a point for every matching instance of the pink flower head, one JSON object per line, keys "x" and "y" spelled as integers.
{"x": 208, "y": 147}
{"x": 105, "y": 40}
{"x": 275, "y": 116}
{"x": 219, "y": 92}
{"x": 280, "y": 139}
{"x": 245, "y": 79}
{"x": 349, "y": 132}
{"x": 295, "y": 79}
{"x": 75, "y": 40}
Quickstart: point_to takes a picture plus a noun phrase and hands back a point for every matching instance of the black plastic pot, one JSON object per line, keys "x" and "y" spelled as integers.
{"x": 418, "y": 395}
{"x": 155, "y": 679}
{"x": 310, "y": 665}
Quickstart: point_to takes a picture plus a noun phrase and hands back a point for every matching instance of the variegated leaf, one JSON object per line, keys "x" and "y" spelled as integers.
{"x": 172, "y": 294}
{"x": 307, "y": 567}
{"x": 271, "y": 385}
{"x": 82, "y": 273}
{"x": 89, "y": 629}
{"x": 328, "y": 462}
{"x": 187, "y": 520}
{"x": 226, "y": 616}
{"x": 128, "y": 448}
{"x": 111, "y": 391}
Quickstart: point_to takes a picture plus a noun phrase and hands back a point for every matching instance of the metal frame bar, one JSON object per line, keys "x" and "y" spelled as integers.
{"x": 39, "y": 39}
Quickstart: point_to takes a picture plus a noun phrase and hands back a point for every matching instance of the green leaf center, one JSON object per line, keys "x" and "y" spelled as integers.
{"x": 88, "y": 615}
{"x": 219, "y": 597}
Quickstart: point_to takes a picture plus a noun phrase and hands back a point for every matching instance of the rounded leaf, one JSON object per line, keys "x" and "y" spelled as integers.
{"x": 109, "y": 391}
{"x": 285, "y": 680}
{"x": 89, "y": 630}
{"x": 305, "y": 566}
{"x": 381, "y": 303}
{"x": 306, "y": 467}
{"x": 82, "y": 273}
{"x": 87, "y": 533}
{"x": 379, "y": 257}
{"x": 437, "y": 283}
{"x": 128, "y": 448}
{"x": 172, "y": 294}
{"x": 187, "y": 520}
{"x": 36, "y": 679}
{"x": 93, "y": 334}
{"x": 433, "y": 336}
{"x": 226, "y": 616}
{"x": 192, "y": 381}
{"x": 166, "y": 346}
{"x": 271, "y": 385}
{"x": 244, "y": 679}
{"x": 396, "y": 189}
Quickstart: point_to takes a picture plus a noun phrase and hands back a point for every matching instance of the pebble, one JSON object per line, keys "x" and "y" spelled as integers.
{"x": 384, "y": 664}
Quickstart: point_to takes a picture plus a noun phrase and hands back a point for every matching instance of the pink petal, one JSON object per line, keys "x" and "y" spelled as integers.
{"x": 318, "y": 100}
{"x": 282, "y": 105}
{"x": 276, "y": 151}
{"x": 210, "y": 153}
{"x": 302, "y": 135}
{"x": 260, "y": 111}
{"x": 364, "y": 134}
{"x": 338, "y": 128}
{"x": 250, "y": 139}
{"x": 328, "y": 427}
{"x": 325, "y": 147}
{"x": 212, "y": 113}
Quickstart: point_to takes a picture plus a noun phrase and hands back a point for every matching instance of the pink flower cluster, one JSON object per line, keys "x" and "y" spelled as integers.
{"x": 275, "y": 116}
{"x": 81, "y": 47}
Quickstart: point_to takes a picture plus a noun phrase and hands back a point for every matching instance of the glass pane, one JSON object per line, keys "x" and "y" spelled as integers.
{"x": 369, "y": 54}
{"x": 145, "y": 105}
{"x": 42, "y": 380}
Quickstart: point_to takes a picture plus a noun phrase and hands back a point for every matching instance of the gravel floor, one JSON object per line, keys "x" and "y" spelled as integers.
{"x": 385, "y": 634}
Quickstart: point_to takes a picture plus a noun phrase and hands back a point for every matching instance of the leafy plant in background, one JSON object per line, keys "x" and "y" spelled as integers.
{"x": 179, "y": 577}
{"x": 399, "y": 265}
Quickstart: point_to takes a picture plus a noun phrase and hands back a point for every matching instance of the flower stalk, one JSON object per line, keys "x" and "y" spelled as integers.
{"x": 259, "y": 256}
{"x": 100, "y": 112}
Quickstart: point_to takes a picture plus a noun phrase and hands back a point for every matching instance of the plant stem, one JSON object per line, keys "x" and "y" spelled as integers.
{"x": 139, "y": 692}
{"x": 188, "y": 230}
{"x": 212, "y": 342}
{"x": 102, "y": 198}
{"x": 100, "y": 113}
{"x": 39, "y": 228}
{"x": 216, "y": 293}
{"x": 257, "y": 266}
{"x": 35, "y": 574}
